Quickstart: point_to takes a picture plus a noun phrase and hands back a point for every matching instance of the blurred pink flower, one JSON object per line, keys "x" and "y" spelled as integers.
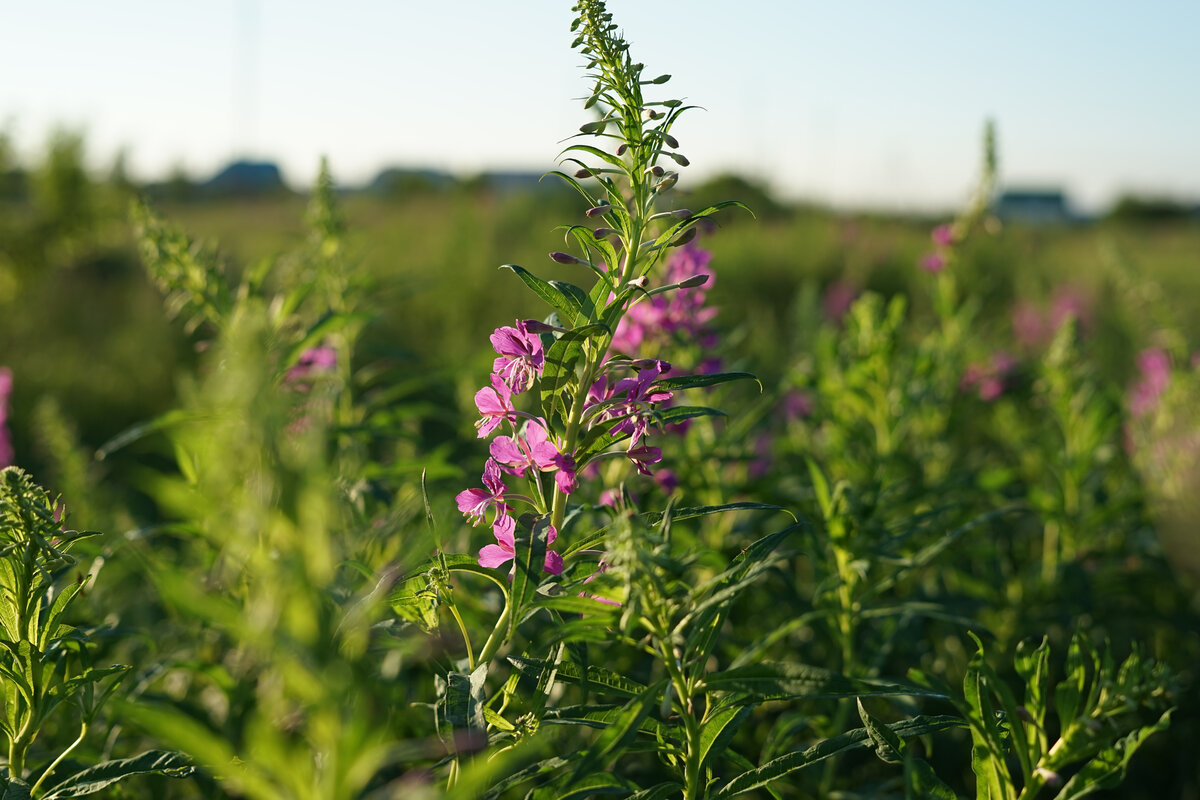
{"x": 1155, "y": 367}
{"x": 933, "y": 262}
{"x": 837, "y": 299}
{"x": 942, "y": 235}
{"x": 7, "y": 455}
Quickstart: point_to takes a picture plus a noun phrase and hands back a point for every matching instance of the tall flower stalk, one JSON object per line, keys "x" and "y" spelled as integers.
{"x": 593, "y": 400}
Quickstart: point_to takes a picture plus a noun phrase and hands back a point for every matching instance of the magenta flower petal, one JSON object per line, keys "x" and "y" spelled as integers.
{"x": 554, "y": 563}
{"x": 493, "y": 555}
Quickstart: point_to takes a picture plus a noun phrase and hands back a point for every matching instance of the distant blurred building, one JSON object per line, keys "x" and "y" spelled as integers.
{"x": 246, "y": 179}
{"x": 1033, "y": 206}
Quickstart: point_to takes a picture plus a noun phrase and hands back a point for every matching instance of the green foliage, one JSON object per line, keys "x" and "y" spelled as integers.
{"x": 45, "y": 668}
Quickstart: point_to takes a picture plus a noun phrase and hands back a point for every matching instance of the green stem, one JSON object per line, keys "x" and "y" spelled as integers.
{"x": 497, "y": 638}
{"x": 463, "y": 629}
{"x": 83, "y": 727}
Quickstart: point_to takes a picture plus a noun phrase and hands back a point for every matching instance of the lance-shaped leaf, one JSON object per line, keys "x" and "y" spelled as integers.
{"x": 784, "y": 680}
{"x": 589, "y": 677}
{"x": 568, "y": 300}
{"x": 530, "y": 542}
{"x": 712, "y": 379}
{"x": 1107, "y": 769}
{"x": 561, "y": 359}
{"x": 103, "y": 775}
{"x": 461, "y": 701}
{"x": 623, "y": 728}
{"x": 719, "y": 729}
{"x": 846, "y": 742}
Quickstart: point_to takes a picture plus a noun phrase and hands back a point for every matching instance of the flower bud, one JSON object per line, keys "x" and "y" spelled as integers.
{"x": 598, "y": 210}
{"x": 657, "y": 171}
{"x": 533, "y": 326}
{"x": 661, "y": 79}
{"x": 693, "y": 282}
{"x": 652, "y": 114}
{"x": 583, "y": 173}
{"x": 565, "y": 258}
{"x": 671, "y": 141}
{"x": 685, "y": 237}
{"x": 640, "y": 282}
{"x": 600, "y": 233}
{"x": 666, "y": 183}
{"x": 621, "y": 149}
{"x": 680, "y": 159}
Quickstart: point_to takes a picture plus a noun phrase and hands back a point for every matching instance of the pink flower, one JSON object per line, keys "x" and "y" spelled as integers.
{"x": 495, "y": 404}
{"x": 313, "y": 361}
{"x": 837, "y": 299}
{"x": 505, "y": 550}
{"x": 642, "y": 457}
{"x": 640, "y": 397}
{"x": 474, "y": 503}
{"x": 521, "y": 356}
{"x": 7, "y": 455}
{"x": 519, "y": 453}
{"x": 666, "y": 479}
{"x": 933, "y": 262}
{"x": 797, "y": 404}
{"x": 1155, "y": 367}
{"x": 942, "y": 235}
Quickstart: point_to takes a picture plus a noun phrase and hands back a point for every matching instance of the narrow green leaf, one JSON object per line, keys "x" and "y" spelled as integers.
{"x": 549, "y": 765}
{"x": 594, "y": 785}
{"x": 789, "y": 680}
{"x": 559, "y": 371}
{"x": 1107, "y": 770}
{"x": 851, "y": 740}
{"x": 590, "y": 678}
{"x": 621, "y": 731}
{"x": 567, "y": 299}
{"x": 103, "y": 775}
{"x": 888, "y": 746}
{"x": 661, "y": 791}
{"x": 694, "y": 381}
{"x": 530, "y": 541}
{"x": 719, "y": 729}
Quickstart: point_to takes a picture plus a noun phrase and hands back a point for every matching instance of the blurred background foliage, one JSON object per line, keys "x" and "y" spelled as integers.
{"x": 820, "y": 304}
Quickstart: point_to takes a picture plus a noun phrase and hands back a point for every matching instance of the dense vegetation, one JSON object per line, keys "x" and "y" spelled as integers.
{"x": 939, "y": 543}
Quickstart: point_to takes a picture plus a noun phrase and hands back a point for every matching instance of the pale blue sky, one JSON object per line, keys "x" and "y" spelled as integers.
{"x": 855, "y": 102}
